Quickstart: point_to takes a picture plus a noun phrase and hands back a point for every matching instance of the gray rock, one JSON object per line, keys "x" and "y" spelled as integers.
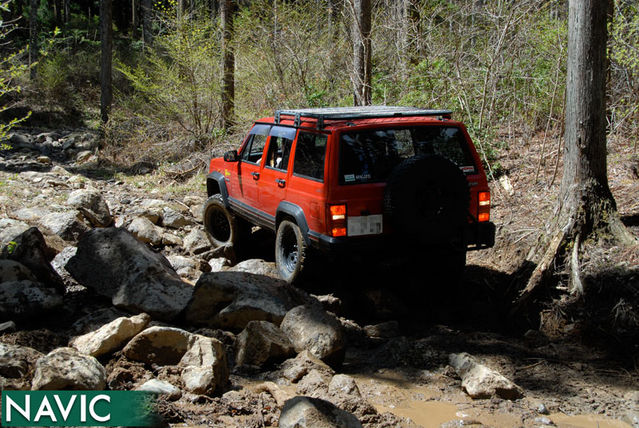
{"x": 262, "y": 343}
{"x": 161, "y": 387}
{"x": 173, "y": 219}
{"x": 196, "y": 242}
{"x": 632, "y": 418}
{"x": 343, "y": 385}
{"x": 544, "y": 420}
{"x": 296, "y": 368}
{"x": 44, "y": 160}
{"x": 9, "y": 229}
{"x": 92, "y": 205}
{"x": 85, "y": 156}
{"x": 115, "y": 264}
{"x": 20, "y": 140}
{"x": 30, "y": 249}
{"x": 203, "y": 359}
{"x": 67, "y": 225}
{"x": 110, "y": 337}
{"x": 329, "y": 302}
{"x": 205, "y": 365}
{"x": 96, "y": 319}
{"x": 171, "y": 240}
{"x": 314, "y": 384}
{"x": 257, "y": 267}
{"x": 310, "y": 327}
{"x": 181, "y": 262}
{"x": 480, "y": 381}
{"x": 66, "y": 368}
{"x": 11, "y": 270}
{"x": 30, "y": 214}
{"x": 384, "y": 330}
{"x": 306, "y": 412}
{"x": 217, "y": 264}
{"x": 15, "y": 360}
{"x": 27, "y": 299}
{"x": 59, "y": 262}
{"x": 145, "y": 231}
{"x": 158, "y": 345}
{"x": 231, "y": 299}
{"x": 7, "y": 327}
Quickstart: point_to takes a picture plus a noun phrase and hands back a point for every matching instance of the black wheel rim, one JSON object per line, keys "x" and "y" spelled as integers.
{"x": 289, "y": 252}
{"x": 219, "y": 226}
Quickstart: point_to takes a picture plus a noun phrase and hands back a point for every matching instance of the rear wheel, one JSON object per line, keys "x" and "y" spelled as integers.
{"x": 290, "y": 251}
{"x": 222, "y": 227}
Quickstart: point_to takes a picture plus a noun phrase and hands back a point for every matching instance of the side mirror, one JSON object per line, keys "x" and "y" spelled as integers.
{"x": 230, "y": 156}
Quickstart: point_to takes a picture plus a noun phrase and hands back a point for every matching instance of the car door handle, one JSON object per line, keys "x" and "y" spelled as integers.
{"x": 280, "y": 182}
{"x": 256, "y": 175}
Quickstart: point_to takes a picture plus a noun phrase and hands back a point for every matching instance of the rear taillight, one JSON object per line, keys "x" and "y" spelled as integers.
{"x": 483, "y": 212}
{"x": 336, "y": 220}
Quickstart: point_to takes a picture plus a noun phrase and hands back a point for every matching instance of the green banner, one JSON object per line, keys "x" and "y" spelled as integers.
{"x": 78, "y": 408}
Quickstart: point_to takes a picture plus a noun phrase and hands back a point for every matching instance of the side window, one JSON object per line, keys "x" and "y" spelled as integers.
{"x": 309, "y": 155}
{"x": 279, "y": 150}
{"x": 254, "y": 149}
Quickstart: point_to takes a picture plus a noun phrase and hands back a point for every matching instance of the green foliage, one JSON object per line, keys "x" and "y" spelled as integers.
{"x": 178, "y": 79}
{"x": 11, "y": 247}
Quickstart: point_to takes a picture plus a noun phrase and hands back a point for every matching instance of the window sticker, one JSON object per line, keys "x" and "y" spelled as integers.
{"x": 349, "y": 178}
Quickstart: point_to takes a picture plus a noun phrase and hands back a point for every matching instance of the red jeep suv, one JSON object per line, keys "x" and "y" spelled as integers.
{"x": 352, "y": 179}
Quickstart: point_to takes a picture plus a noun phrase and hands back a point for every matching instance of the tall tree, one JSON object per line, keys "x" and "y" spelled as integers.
{"x": 361, "y": 35}
{"x": 227, "y": 11}
{"x": 33, "y": 37}
{"x": 147, "y": 9}
{"x": 586, "y": 207}
{"x": 106, "y": 40}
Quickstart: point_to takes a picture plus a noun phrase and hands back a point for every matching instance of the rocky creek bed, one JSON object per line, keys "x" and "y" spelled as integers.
{"x": 112, "y": 274}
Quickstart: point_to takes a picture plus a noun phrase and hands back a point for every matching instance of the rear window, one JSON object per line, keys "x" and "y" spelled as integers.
{"x": 369, "y": 156}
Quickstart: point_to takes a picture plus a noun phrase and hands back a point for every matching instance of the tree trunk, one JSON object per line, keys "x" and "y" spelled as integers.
{"x": 57, "y": 11}
{"x": 135, "y": 19}
{"x": 586, "y": 207}
{"x": 106, "y": 39}
{"x": 361, "y": 32}
{"x": 33, "y": 37}
{"x": 146, "y": 21}
{"x": 67, "y": 11}
{"x": 228, "y": 63}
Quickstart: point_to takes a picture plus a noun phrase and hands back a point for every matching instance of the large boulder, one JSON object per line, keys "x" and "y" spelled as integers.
{"x": 231, "y": 299}
{"x": 262, "y": 343}
{"x": 145, "y": 231}
{"x": 296, "y": 368}
{"x": 158, "y": 345}
{"x": 15, "y": 360}
{"x": 11, "y": 270}
{"x": 31, "y": 250}
{"x": 205, "y": 365}
{"x": 110, "y": 337}
{"x": 68, "y": 225}
{"x": 27, "y": 300}
{"x": 9, "y": 229}
{"x": 115, "y": 264}
{"x": 66, "y": 368}
{"x": 173, "y": 219}
{"x": 202, "y": 359}
{"x": 480, "y": 381}
{"x": 307, "y": 412}
{"x": 310, "y": 327}
{"x": 91, "y": 203}
{"x": 196, "y": 242}
{"x": 60, "y": 261}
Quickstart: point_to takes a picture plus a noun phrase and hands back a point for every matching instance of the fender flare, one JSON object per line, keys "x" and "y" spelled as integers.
{"x": 215, "y": 180}
{"x": 297, "y": 213}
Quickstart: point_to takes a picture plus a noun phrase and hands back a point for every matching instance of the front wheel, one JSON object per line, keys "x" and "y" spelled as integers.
{"x": 290, "y": 251}
{"x": 221, "y": 226}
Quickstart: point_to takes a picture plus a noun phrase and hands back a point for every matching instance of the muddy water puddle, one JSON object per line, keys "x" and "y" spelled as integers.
{"x": 430, "y": 406}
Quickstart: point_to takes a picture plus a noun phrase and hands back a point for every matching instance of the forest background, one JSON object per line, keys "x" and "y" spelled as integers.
{"x": 498, "y": 64}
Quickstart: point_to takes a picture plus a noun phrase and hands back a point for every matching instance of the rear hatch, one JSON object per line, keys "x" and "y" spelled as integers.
{"x": 366, "y": 158}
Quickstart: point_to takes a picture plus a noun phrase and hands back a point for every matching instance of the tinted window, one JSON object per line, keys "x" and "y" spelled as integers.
{"x": 370, "y": 156}
{"x": 309, "y": 155}
{"x": 254, "y": 148}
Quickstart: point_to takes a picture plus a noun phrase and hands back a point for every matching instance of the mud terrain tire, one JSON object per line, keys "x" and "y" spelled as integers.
{"x": 290, "y": 251}
{"x": 222, "y": 227}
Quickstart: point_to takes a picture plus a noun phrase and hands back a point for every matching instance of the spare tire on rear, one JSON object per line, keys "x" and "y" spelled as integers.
{"x": 426, "y": 200}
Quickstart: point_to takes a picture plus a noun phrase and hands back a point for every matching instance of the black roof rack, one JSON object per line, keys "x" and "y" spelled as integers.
{"x": 363, "y": 112}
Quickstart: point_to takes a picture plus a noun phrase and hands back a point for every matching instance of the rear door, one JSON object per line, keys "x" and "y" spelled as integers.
{"x": 275, "y": 170}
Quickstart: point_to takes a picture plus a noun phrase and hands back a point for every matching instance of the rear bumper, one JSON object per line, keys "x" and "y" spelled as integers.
{"x": 478, "y": 237}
